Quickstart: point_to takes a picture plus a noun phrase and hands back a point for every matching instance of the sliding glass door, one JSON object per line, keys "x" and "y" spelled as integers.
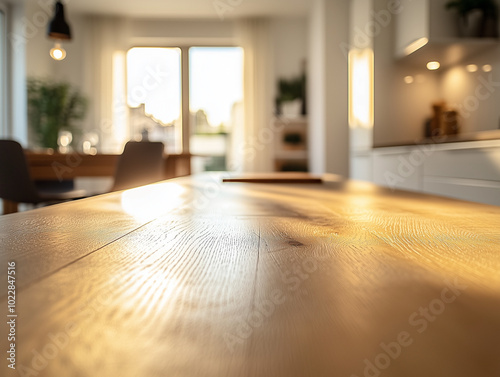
{"x": 208, "y": 81}
{"x": 154, "y": 95}
{"x": 215, "y": 103}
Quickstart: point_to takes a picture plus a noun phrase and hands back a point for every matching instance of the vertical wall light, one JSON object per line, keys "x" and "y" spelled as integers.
{"x": 361, "y": 88}
{"x": 59, "y": 30}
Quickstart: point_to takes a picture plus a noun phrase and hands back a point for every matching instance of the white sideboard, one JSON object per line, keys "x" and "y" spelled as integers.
{"x": 464, "y": 170}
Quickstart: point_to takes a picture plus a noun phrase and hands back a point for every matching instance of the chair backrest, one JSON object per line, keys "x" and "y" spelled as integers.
{"x": 15, "y": 180}
{"x": 140, "y": 163}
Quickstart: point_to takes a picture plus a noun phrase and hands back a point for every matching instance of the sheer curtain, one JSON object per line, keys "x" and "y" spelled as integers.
{"x": 252, "y": 144}
{"x": 105, "y": 47}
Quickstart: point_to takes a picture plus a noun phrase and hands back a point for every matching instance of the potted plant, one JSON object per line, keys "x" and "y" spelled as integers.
{"x": 477, "y": 18}
{"x": 53, "y": 106}
{"x": 291, "y": 97}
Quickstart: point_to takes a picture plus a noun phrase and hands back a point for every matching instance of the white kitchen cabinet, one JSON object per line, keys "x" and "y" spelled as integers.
{"x": 426, "y": 31}
{"x": 463, "y": 170}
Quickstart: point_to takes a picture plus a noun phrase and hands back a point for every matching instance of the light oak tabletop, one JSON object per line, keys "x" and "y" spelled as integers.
{"x": 195, "y": 277}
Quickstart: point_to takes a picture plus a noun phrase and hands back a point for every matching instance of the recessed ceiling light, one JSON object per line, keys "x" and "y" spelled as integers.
{"x": 487, "y": 68}
{"x": 408, "y": 79}
{"x": 471, "y": 68}
{"x": 432, "y": 66}
{"x": 419, "y": 43}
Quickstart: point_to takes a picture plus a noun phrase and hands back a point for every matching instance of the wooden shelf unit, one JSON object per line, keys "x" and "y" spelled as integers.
{"x": 290, "y": 156}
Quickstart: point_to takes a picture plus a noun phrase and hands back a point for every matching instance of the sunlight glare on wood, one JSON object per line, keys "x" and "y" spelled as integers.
{"x": 148, "y": 202}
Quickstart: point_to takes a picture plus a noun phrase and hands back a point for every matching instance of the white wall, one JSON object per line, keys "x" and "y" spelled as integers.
{"x": 328, "y": 99}
{"x": 316, "y": 90}
{"x": 290, "y": 41}
{"x": 477, "y": 94}
{"x": 174, "y": 32}
{"x": 38, "y": 61}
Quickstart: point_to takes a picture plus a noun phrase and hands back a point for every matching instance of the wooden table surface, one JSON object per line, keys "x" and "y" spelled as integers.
{"x": 194, "y": 277}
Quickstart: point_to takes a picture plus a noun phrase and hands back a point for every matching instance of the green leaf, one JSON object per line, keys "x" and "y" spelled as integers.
{"x": 53, "y": 106}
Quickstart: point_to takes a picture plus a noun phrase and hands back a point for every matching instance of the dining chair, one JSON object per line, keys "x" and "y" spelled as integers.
{"x": 141, "y": 163}
{"x": 17, "y": 186}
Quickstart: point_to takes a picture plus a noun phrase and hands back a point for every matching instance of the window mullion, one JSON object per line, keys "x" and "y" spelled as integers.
{"x": 185, "y": 99}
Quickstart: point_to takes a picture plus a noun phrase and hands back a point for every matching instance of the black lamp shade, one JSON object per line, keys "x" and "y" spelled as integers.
{"x": 58, "y": 28}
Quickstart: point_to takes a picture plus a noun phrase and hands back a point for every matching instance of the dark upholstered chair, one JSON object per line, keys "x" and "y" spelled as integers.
{"x": 16, "y": 184}
{"x": 140, "y": 163}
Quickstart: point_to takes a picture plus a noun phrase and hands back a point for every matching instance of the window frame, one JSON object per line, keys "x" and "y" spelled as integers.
{"x": 185, "y": 83}
{"x": 4, "y": 62}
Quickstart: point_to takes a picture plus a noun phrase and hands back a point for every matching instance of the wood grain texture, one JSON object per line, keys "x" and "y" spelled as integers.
{"x": 193, "y": 277}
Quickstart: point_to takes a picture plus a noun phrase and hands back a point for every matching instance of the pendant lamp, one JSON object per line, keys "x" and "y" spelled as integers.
{"x": 59, "y": 30}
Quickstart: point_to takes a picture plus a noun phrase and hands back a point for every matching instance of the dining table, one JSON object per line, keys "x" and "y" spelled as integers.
{"x": 50, "y": 165}
{"x": 54, "y": 167}
{"x": 213, "y": 275}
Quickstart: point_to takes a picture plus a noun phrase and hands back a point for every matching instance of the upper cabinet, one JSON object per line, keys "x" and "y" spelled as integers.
{"x": 427, "y": 31}
{"x": 412, "y": 26}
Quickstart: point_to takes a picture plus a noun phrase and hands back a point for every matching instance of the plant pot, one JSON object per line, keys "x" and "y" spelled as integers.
{"x": 478, "y": 24}
{"x": 291, "y": 109}
{"x": 470, "y": 25}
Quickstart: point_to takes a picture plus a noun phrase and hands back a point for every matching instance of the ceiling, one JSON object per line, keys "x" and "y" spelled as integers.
{"x": 217, "y": 9}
